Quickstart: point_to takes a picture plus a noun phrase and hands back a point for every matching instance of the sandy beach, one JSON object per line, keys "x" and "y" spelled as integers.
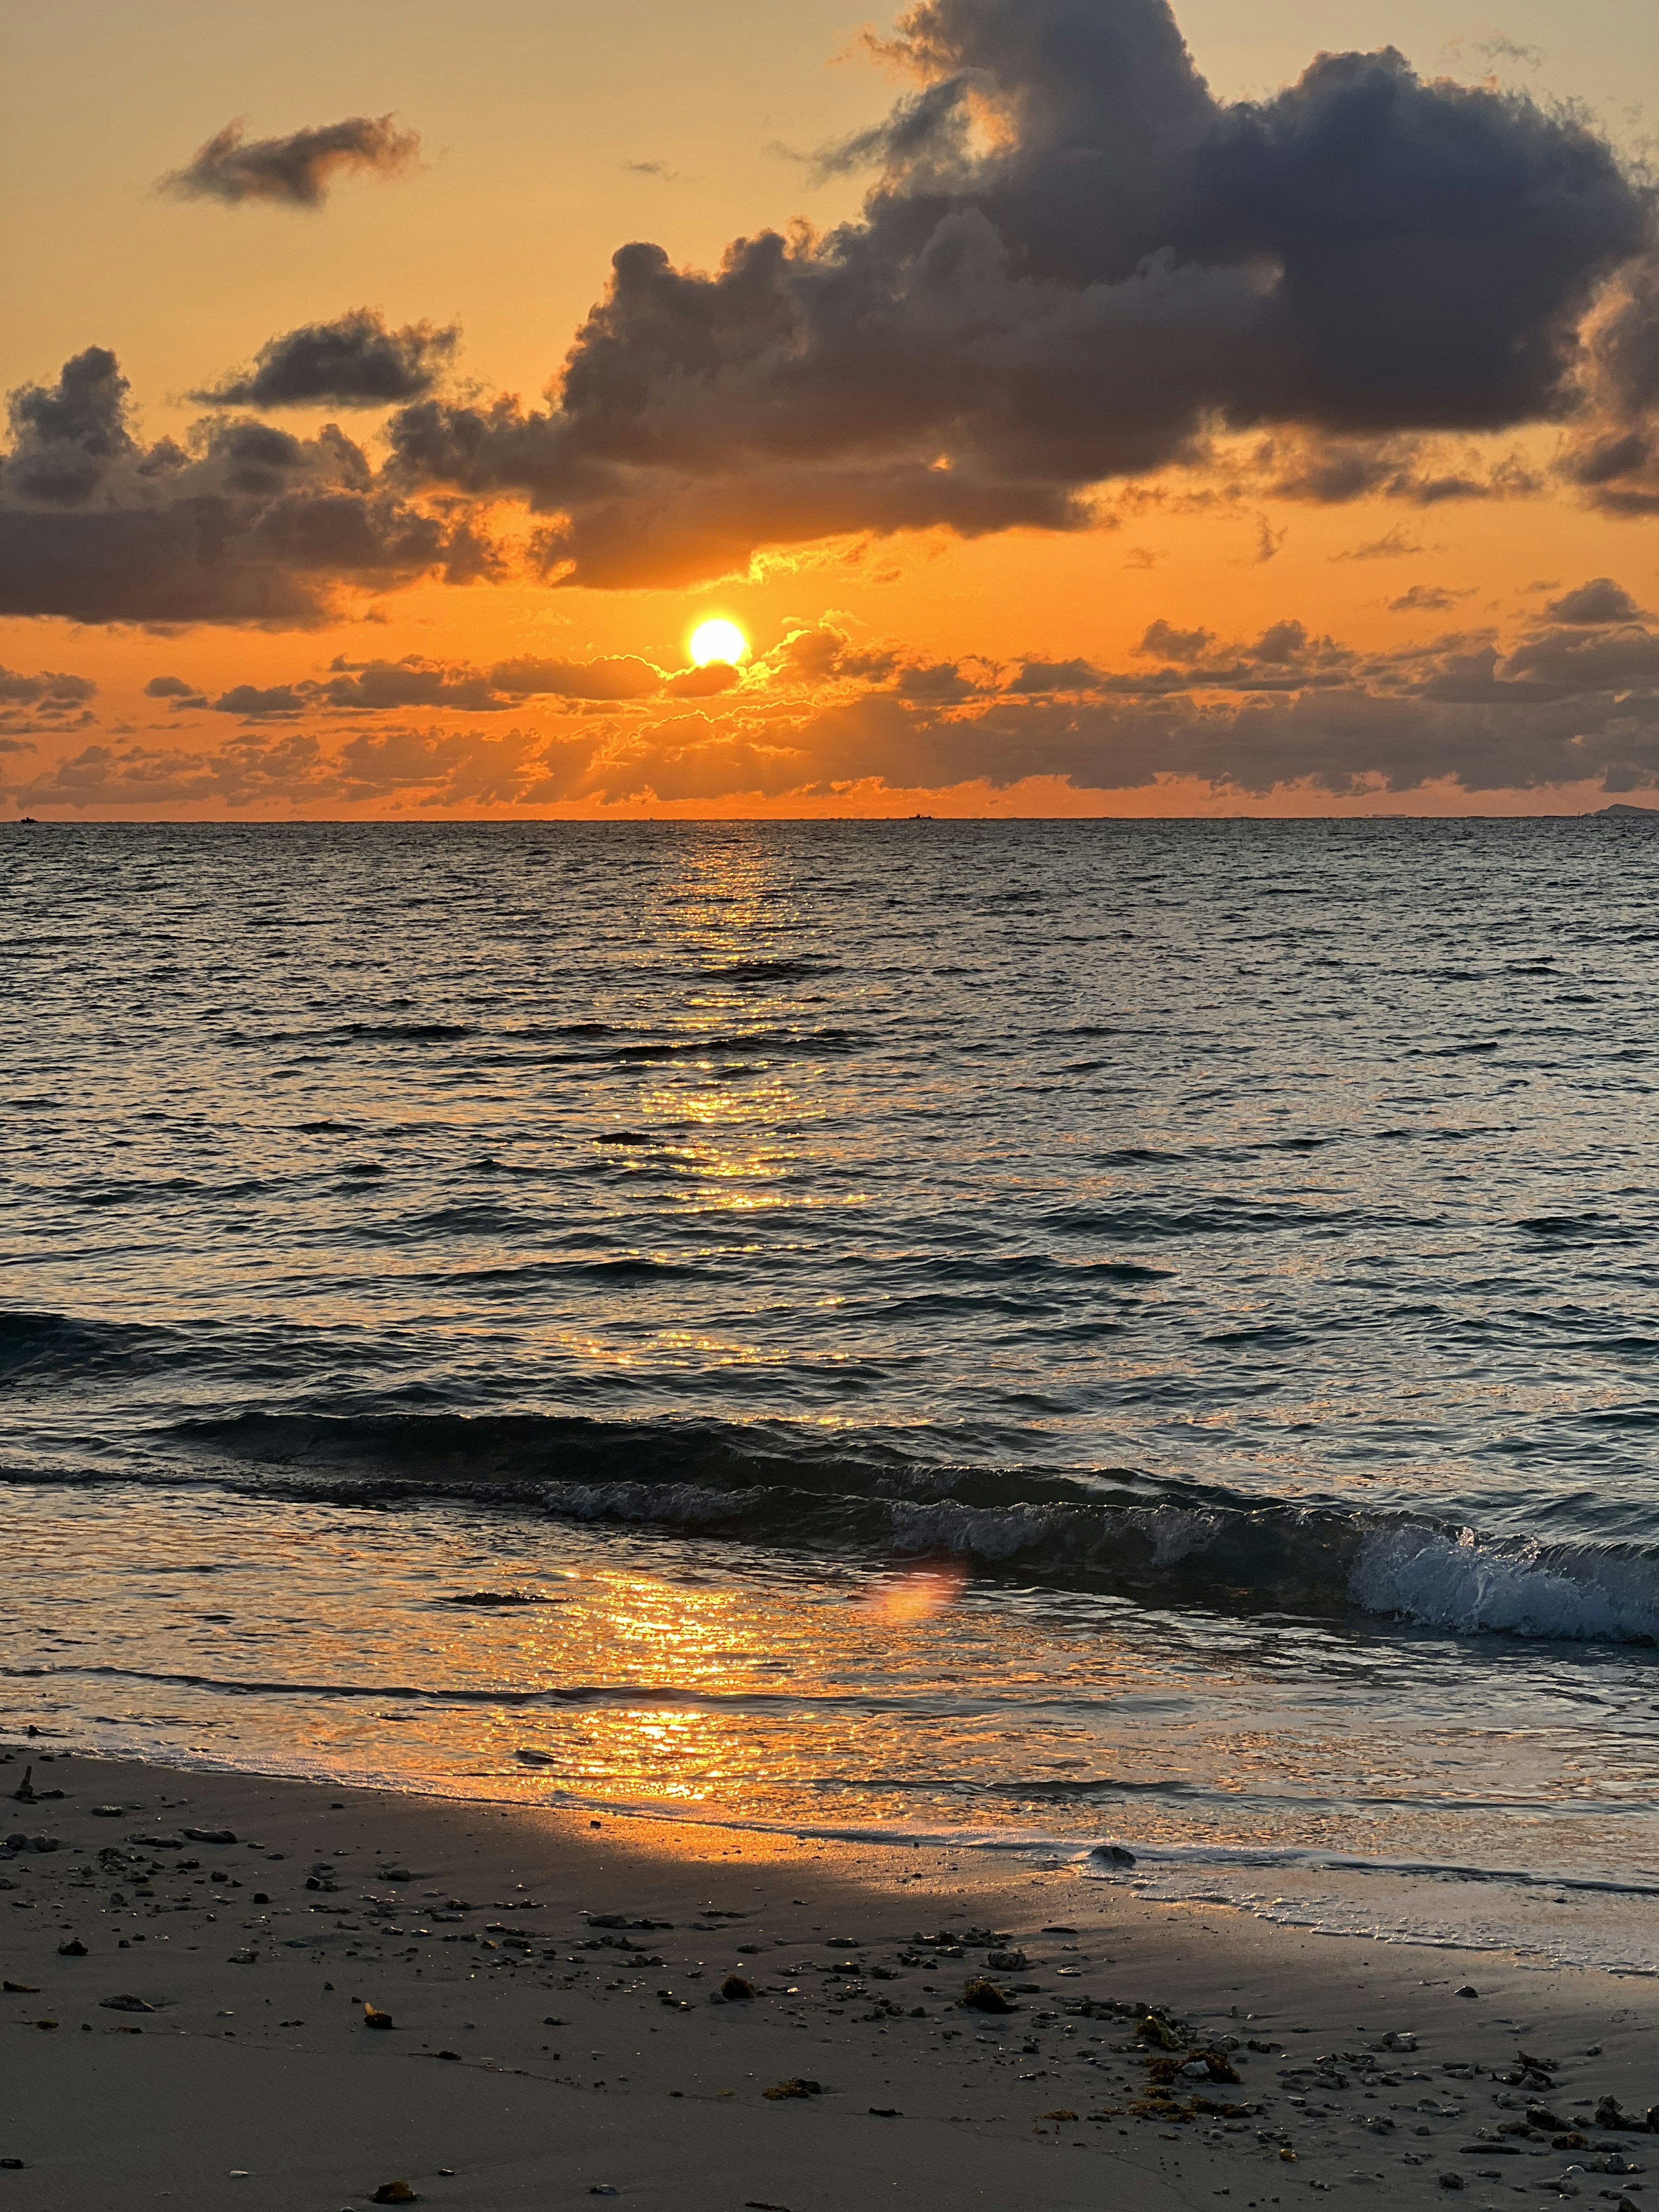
{"x": 194, "y": 1965}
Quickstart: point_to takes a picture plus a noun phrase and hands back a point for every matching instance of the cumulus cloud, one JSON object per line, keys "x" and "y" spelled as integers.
{"x": 1073, "y": 265}
{"x": 242, "y": 524}
{"x": 50, "y": 688}
{"x": 353, "y": 361}
{"x": 295, "y": 171}
{"x": 1599, "y": 601}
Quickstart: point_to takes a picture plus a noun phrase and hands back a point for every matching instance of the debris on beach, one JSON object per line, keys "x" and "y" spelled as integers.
{"x": 374, "y": 2017}
{"x": 982, "y": 1995}
{"x": 394, "y": 2193}
{"x": 795, "y": 2087}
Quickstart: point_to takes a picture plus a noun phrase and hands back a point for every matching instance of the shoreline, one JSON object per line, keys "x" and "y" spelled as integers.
{"x": 551, "y": 1978}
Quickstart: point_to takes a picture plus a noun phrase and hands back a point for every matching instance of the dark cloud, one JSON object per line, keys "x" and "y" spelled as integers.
{"x": 353, "y": 361}
{"x": 1074, "y": 263}
{"x": 244, "y": 524}
{"x": 295, "y": 171}
{"x": 379, "y": 687}
{"x": 49, "y": 689}
{"x": 170, "y": 687}
{"x": 1599, "y": 601}
{"x": 1426, "y": 600}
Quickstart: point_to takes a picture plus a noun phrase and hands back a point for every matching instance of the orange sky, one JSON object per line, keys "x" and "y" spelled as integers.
{"x": 549, "y": 138}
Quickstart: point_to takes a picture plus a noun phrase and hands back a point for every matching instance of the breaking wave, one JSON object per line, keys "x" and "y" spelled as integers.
{"x": 1109, "y": 1530}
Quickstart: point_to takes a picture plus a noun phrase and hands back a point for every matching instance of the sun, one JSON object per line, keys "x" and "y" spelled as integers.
{"x": 717, "y": 641}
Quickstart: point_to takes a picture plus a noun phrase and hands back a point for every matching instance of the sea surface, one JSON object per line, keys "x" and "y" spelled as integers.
{"x": 1030, "y": 1334}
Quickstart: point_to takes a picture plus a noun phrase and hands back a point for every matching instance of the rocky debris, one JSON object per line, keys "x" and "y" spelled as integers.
{"x": 736, "y": 1991}
{"x": 393, "y": 2192}
{"x": 211, "y": 1835}
{"x": 1156, "y": 2029}
{"x": 20, "y": 1989}
{"x": 395, "y": 1874}
{"x": 126, "y": 2003}
{"x": 1468, "y": 1991}
{"x": 981, "y": 1995}
{"x": 1113, "y": 1855}
{"x": 797, "y": 2086}
{"x": 374, "y": 2017}
{"x": 1007, "y": 1962}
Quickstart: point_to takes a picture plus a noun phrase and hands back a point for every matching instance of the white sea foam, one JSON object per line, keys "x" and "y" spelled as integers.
{"x": 1464, "y": 1583}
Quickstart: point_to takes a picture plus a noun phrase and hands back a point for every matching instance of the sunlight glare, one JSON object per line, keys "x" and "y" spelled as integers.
{"x": 717, "y": 641}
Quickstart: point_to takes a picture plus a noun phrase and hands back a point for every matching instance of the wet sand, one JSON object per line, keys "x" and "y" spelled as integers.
{"x": 557, "y": 2032}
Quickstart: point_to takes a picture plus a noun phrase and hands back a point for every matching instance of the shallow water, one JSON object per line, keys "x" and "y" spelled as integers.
{"x": 1032, "y": 1331}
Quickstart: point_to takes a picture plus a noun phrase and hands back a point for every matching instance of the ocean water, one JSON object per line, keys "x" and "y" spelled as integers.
{"x": 1029, "y": 1333}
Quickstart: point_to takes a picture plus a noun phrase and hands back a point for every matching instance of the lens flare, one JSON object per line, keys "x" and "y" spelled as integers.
{"x": 717, "y": 641}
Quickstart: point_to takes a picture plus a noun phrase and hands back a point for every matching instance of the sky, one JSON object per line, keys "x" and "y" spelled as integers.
{"x": 1080, "y": 409}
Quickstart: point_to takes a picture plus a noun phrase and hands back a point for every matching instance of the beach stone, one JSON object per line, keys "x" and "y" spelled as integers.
{"x": 1007, "y": 1962}
{"x": 797, "y": 2086}
{"x": 983, "y": 1995}
{"x": 124, "y": 2003}
{"x": 736, "y": 1990}
{"x": 1113, "y": 1855}
{"x": 211, "y": 1835}
{"x": 393, "y": 2192}
{"x": 1468, "y": 1991}
{"x": 374, "y": 2017}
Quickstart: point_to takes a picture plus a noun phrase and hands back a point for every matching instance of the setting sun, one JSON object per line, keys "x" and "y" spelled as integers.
{"x": 717, "y": 641}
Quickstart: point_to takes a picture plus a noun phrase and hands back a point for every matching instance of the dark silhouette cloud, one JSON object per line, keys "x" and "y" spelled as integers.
{"x": 295, "y": 171}
{"x": 1073, "y": 264}
{"x": 1599, "y": 601}
{"x": 353, "y": 361}
{"x": 50, "y": 689}
{"x": 1426, "y": 600}
{"x": 379, "y": 687}
{"x": 244, "y": 524}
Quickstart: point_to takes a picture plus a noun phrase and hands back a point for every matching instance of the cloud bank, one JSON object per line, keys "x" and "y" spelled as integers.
{"x": 246, "y": 525}
{"x": 1570, "y": 699}
{"x": 1075, "y": 265}
{"x": 295, "y": 171}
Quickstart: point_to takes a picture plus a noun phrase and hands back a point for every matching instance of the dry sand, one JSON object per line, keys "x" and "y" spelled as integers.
{"x": 535, "y": 2060}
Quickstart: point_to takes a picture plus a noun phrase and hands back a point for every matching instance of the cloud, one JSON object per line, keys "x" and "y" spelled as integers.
{"x": 50, "y": 688}
{"x": 242, "y": 524}
{"x": 295, "y": 171}
{"x": 1599, "y": 601}
{"x": 1073, "y": 265}
{"x": 1558, "y": 704}
{"x": 1426, "y": 600}
{"x": 353, "y": 361}
{"x": 379, "y": 687}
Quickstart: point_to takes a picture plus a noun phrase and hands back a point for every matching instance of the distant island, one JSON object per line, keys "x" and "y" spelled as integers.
{"x": 1647, "y": 812}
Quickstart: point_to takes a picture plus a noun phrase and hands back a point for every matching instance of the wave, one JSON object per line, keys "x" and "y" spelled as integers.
{"x": 896, "y": 1496}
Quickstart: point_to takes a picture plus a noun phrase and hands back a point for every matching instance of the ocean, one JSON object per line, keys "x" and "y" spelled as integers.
{"x": 1032, "y": 1336}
